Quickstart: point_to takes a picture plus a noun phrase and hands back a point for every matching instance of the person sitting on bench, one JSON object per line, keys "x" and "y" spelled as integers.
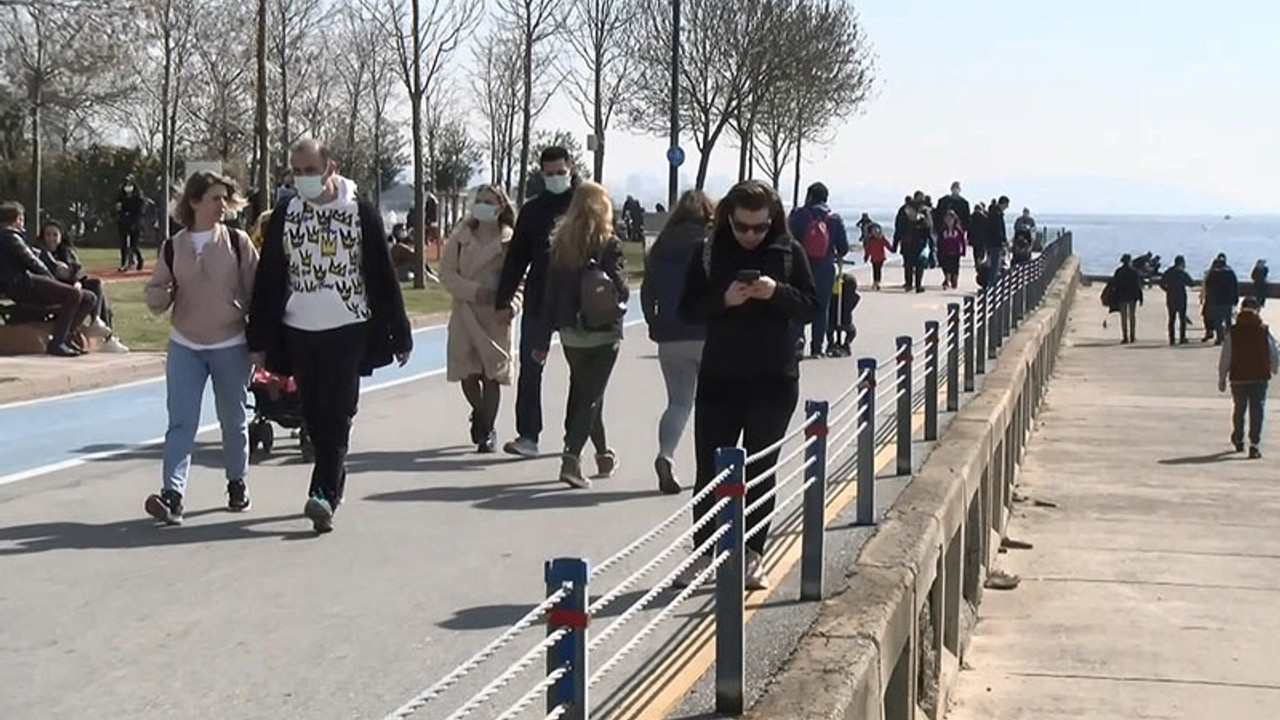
{"x": 59, "y": 257}
{"x": 27, "y": 281}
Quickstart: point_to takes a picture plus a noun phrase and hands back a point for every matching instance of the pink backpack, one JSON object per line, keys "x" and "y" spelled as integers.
{"x": 817, "y": 237}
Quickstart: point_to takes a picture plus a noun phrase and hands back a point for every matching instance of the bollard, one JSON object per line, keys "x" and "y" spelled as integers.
{"x": 931, "y": 380}
{"x": 993, "y": 322}
{"x": 903, "y": 413}
{"x": 814, "y": 512}
{"x": 571, "y": 652}
{"x": 970, "y": 329}
{"x": 953, "y": 358}
{"x": 730, "y": 585}
{"x": 867, "y": 442}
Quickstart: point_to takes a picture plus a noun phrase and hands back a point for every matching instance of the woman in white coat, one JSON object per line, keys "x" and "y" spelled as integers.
{"x": 479, "y": 346}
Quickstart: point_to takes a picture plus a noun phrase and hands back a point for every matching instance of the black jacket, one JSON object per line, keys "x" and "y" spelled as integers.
{"x": 979, "y": 227}
{"x": 1221, "y": 286}
{"x": 18, "y": 262}
{"x": 1125, "y": 286}
{"x": 389, "y": 330}
{"x": 664, "y": 277}
{"x": 562, "y": 295}
{"x": 528, "y": 251}
{"x": 753, "y": 339}
{"x": 950, "y": 202}
{"x": 997, "y": 233}
{"x": 1175, "y": 282}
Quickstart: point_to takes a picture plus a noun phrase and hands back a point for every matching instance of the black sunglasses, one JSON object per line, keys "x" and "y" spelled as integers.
{"x": 745, "y": 229}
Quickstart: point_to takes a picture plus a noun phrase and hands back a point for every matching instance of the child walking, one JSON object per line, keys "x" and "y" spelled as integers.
{"x": 874, "y": 249}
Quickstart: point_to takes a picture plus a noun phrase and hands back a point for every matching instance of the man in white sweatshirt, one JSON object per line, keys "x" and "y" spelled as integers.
{"x": 326, "y": 309}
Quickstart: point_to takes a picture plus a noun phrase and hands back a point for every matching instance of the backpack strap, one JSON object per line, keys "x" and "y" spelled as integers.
{"x": 167, "y": 252}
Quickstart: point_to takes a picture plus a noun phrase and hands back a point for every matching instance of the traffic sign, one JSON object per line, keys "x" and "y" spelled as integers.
{"x": 675, "y": 155}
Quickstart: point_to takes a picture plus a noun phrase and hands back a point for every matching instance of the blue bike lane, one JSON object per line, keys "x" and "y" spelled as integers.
{"x": 44, "y": 436}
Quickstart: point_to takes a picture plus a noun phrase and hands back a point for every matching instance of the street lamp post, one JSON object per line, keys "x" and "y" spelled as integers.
{"x": 673, "y": 178}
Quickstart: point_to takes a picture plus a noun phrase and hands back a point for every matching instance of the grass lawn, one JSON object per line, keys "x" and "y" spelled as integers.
{"x": 140, "y": 330}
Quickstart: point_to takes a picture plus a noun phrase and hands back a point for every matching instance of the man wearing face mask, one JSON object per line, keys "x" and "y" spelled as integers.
{"x": 529, "y": 252}
{"x": 326, "y": 310}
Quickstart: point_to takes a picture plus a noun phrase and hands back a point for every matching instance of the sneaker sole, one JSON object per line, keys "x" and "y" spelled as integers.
{"x": 239, "y": 508}
{"x": 321, "y": 517}
{"x": 577, "y": 483}
{"x": 156, "y": 508}
{"x": 518, "y": 452}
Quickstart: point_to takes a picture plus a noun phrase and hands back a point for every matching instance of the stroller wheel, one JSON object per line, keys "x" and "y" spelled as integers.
{"x": 268, "y": 438}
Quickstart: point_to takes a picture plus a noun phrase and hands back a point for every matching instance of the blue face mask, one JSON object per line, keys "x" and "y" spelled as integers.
{"x": 484, "y": 212}
{"x": 557, "y": 184}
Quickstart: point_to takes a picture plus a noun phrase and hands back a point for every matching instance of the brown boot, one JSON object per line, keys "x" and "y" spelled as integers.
{"x": 571, "y": 472}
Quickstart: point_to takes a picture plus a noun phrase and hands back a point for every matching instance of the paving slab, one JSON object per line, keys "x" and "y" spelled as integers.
{"x": 1152, "y": 586}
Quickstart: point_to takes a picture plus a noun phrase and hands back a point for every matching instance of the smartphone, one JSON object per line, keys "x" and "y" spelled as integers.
{"x": 748, "y": 276}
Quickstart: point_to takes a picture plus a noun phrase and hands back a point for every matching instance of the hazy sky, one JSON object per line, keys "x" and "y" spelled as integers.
{"x": 1143, "y": 106}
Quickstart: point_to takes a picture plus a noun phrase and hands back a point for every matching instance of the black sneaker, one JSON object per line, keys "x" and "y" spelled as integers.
{"x": 477, "y": 431}
{"x": 238, "y": 496}
{"x": 1238, "y": 445}
{"x": 320, "y": 513}
{"x": 166, "y": 506}
{"x": 1255, "y": 453}
{"x": 489, "y": 444}
{"x": 62, "y": 349}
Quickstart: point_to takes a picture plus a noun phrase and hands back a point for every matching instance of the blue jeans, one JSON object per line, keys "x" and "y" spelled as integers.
{"x": 824, "y": 281}
{"x": 1251, "y": 397}
{"x": 186, "y": 373}
{"x": 679, "y": 362}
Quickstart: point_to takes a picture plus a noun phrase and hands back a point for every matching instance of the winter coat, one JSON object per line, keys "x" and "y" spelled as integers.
{"x": 480, "y": 338}
{"x": 663, "y": 286}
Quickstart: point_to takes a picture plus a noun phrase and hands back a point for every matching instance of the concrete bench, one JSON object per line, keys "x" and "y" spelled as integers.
{"x": 25, "y": 328}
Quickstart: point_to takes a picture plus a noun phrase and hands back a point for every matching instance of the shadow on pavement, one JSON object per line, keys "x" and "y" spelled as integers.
{"x": 1224, "y": 456}
{"x": 138, "y": 533}
{"x": 533, "y": 495}
{"x": 447, "y": 459}
{"x": 493, "y": 617}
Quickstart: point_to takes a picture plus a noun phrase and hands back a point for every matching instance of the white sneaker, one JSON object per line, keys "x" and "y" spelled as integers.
{"x": 97, "y": 329}
{"x": 524, "y": 447}
{"x": 754, "y": 577}
{"x": 692, "y": 572}
{"x": 113, "y": 345}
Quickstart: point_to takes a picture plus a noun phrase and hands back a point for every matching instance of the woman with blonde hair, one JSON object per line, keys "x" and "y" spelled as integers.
{"x": 585, "y": 302}
{"x": 478, "y": 351}
{"x": 206, "y": 276}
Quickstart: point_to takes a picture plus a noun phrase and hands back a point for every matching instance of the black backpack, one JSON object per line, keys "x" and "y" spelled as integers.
{"x": 600, "y": 305}
{"x": 237, "y": 238}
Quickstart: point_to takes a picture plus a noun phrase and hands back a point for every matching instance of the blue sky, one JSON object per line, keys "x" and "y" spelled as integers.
{"x": 1127, "y": 106}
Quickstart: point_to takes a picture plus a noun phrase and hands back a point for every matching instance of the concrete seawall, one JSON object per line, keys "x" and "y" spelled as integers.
{"x": 890, "y": 645}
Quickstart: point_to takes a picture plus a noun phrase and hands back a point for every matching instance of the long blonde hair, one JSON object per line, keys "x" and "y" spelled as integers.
{"x": 585, "y": 228}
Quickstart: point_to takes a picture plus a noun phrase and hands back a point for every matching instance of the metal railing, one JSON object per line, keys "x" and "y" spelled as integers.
{"x": 834, "y": 447}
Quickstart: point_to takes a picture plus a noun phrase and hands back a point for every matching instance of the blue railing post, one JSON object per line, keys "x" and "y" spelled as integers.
{"x": 867, "y": 441}
{"x": 730, "y": 584}
{"x": 813, "y": 539}
{"x": 931, "y": 331}
{"x": 905, "y": 360}
{"x": 953, "y": 357}
{"x": 571, "y": 652}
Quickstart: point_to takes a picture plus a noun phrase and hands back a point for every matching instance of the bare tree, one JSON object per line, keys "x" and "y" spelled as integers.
{"x": 63, "y": 58}
{"x": 424, "y": 42}
{"x": 495, "y": 82}
{"x": 224, "y": 113}
{"x": 710, "y": 79}
{"x": 296, "y": 47}
{"x": 534, "y": 23}
{"x": 596, "y": 33}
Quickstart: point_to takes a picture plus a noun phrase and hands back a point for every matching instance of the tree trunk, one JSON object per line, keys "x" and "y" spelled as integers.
{"x": 37, "y": 99}
{"x": 795, "y": 191}
{"x": 526, "y": 114}
{"x": 284, "y": 91}
{"x": 264, "y": 149}
{"x": 419, "y": 200}
{"x": 166, "y": 115}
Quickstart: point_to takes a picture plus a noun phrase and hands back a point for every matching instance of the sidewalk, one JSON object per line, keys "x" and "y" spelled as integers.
{"x": 1152, "y": 586}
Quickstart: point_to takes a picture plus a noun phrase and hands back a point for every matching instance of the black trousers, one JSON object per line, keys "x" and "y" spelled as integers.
{"x": 130, "y": 254}
{"x": 326, "y": 367}
{"x": 72, "y": 306}
{"x": 534, "y": 335}
{"x": 913, "y": 273}
{"x": 589, "y": 371}
{"x": 1178, "y": 314}
{"x": 757, "y": 410}
{"x": 877, "y": 271}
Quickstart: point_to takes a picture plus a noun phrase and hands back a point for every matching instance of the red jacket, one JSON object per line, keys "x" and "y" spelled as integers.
{"x": 874, "y": 249}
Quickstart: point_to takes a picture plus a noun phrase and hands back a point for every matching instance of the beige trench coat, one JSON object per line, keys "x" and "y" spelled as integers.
{"x": 479, "y": 336}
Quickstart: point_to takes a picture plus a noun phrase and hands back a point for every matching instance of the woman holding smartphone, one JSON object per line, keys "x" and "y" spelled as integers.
{"x": 751, "y": 284}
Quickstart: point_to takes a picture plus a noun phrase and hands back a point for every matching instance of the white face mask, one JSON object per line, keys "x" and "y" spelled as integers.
{"x": 557, "y": 184}
{"x": 484, "y": 212}
{"x": 128, "y": 188}
{"x": 310, "y": 187}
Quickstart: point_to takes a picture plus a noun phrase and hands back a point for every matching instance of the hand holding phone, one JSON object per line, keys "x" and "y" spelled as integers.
{"x": 747, "y": 277}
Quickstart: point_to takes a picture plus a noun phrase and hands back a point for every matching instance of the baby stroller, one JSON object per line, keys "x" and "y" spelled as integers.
{"x": 840, "y": 328}
{"x": 275, "y": 400}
